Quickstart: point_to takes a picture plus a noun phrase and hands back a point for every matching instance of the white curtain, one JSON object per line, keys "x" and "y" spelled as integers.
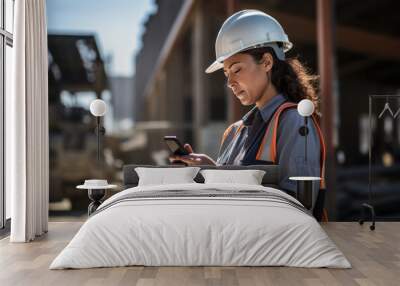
{"x": 27, "y": 147}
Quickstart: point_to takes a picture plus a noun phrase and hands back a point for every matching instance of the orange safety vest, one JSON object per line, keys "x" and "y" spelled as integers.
{"x": 270, "y": 139}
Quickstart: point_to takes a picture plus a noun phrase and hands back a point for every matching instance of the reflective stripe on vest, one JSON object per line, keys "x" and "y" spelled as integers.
{"x": 228, "y": 132}
{"x": 269, "y": 140}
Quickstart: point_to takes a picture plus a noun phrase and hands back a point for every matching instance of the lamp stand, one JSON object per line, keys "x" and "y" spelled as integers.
{"x": 100, "y": 130}
{"x": 304, "y": 132}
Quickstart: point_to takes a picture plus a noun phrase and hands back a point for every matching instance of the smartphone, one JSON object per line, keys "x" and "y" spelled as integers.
{"x": 175, "y": 146}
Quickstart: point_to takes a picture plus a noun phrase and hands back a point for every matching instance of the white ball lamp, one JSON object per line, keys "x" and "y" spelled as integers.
{"x": 305, "y": 108}
{"x": 98, "y": 109}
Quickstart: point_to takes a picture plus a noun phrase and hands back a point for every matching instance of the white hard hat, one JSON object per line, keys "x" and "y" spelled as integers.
{"x": 245, "y": 30}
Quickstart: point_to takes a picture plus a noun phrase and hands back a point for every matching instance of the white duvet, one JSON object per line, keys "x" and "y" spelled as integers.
{"x": 183, "y": 231}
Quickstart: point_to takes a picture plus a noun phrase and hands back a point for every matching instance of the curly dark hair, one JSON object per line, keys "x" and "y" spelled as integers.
{"x": 290, "y": 77}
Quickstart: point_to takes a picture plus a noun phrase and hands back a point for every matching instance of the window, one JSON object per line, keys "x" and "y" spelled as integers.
{"x": 6, "y": 43}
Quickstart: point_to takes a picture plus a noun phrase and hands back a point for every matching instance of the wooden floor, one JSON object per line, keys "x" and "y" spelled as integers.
{"x": 375, "y": 257}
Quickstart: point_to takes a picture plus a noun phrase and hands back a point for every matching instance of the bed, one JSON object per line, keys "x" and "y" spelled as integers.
{"x": 198, "y": 224}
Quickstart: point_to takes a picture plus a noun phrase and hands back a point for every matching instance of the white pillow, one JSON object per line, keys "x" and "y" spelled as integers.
{"x": 163, "y": 176}
{"x": 248, "y": 177}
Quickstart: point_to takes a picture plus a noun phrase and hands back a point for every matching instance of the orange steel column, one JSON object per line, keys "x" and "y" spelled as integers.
{"x": 234, "y": 106}
{"x": 231, "y": 6}
{"x": 326, "y": 70}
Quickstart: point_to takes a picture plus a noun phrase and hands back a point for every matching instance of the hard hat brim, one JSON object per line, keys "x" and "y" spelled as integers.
{"x": 279, "y": 52}
{"x": 214, "y": 67}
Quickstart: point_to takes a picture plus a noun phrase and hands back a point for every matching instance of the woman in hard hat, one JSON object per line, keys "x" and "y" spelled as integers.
{"x": 250, "y": 48}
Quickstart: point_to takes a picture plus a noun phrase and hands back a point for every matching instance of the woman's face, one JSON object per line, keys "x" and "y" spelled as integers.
{"x": 246, "y": 78}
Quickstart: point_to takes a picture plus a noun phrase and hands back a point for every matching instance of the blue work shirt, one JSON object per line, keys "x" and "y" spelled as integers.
{"x": 290, "y": 144}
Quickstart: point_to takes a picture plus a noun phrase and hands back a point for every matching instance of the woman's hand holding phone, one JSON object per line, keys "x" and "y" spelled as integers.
{"x": 192, "y": 159}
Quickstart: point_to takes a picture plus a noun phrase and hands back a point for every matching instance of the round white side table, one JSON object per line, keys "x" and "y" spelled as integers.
{"x": 304, "y": 192}
{"x": 96, "y": 193}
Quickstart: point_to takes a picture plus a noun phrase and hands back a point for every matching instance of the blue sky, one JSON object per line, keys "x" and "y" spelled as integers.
{"x": 117, "y": 23}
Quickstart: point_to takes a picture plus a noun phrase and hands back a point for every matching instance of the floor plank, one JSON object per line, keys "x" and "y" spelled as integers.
{"x": 375, "y": 257}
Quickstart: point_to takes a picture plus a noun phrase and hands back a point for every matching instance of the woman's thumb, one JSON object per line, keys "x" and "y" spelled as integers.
{"x": 188, "y": 148}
